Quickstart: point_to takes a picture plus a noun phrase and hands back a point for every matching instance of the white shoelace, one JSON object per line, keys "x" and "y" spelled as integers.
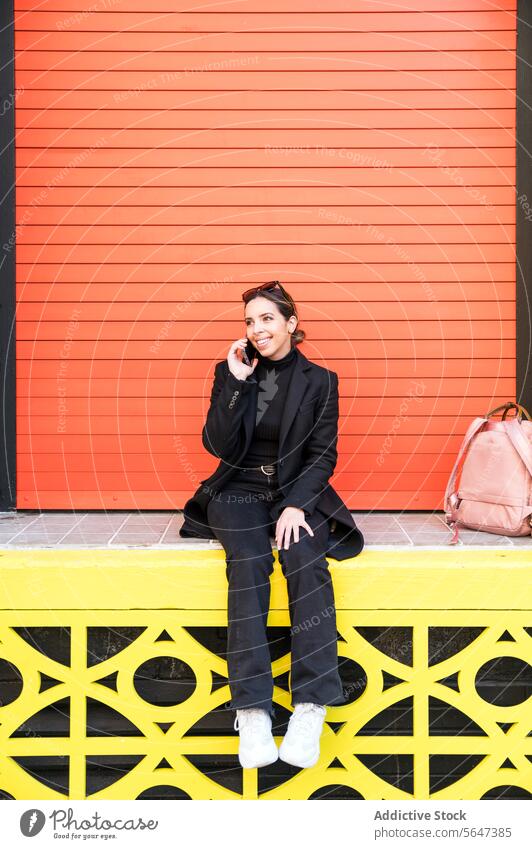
{"x": 254, "y": 717}
{"x": 307, "y": 717}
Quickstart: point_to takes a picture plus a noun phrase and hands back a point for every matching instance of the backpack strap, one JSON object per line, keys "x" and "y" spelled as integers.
{"x": 450, "y": 503}
{"x": 519, "y": 442}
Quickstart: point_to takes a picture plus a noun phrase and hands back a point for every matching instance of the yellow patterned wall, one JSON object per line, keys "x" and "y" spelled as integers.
{"x": 162, "y": 594}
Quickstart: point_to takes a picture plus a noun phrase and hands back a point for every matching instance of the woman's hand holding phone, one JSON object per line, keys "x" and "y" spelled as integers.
{"x": 237, "y": 365}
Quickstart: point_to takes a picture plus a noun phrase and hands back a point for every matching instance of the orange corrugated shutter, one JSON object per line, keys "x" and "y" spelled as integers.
{"x": 361, "y": 152}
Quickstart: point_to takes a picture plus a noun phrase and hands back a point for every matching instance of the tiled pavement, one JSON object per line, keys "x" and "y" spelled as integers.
{"x": 160, "y": 530}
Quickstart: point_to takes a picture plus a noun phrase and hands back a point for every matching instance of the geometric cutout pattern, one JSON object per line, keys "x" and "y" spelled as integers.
{"x": 450, "y": 681}
{"x": 505, "y": 680}
{"x": 402, "y": 732}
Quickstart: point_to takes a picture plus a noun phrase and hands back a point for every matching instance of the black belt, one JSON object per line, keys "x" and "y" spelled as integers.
{"x": 267, "y": 469}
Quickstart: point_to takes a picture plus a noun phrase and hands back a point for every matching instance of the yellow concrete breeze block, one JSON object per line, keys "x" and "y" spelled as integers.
{"x": 175, "y": 590}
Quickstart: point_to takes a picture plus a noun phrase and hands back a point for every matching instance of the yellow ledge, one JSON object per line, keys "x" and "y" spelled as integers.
{"x": 100, "y": 579}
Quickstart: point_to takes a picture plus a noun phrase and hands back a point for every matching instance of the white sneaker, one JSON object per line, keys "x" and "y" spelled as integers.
{"x": 301, "y": 743}
{"x": 257, "y": 746}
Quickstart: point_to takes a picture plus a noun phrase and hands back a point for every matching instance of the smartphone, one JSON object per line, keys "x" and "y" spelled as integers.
{"x": 249, "y": 353}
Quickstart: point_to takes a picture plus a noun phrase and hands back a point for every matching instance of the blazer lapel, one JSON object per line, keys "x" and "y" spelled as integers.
{"x": 296, "y": 389}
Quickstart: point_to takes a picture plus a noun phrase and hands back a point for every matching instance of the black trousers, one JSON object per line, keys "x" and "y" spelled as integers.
{"x": 240, "y": 517}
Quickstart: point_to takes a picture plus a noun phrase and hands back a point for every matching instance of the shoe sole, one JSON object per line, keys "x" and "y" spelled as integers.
{"x": 302, "y": 765}
{"x": 253, "y": 764}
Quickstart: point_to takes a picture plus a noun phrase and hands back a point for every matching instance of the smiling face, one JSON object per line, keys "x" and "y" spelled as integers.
{"x": 264, "y": 321}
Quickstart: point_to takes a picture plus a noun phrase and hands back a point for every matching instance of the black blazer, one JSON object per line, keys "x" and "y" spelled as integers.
{"x": 307, "y": 450}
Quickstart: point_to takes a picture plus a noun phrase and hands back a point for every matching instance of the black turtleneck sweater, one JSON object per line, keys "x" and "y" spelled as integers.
{"x": 273, "y": 377}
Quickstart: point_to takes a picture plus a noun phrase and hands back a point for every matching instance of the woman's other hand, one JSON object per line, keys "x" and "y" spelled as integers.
{"x": 236, "y": 366}
{"x": 290, "y": 521}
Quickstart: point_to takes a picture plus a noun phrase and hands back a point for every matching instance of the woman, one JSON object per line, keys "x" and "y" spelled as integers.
{"x": 274, "y": 426}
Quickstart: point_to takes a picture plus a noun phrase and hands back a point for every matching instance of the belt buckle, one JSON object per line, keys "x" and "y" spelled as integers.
{"x": 266, "y": 467}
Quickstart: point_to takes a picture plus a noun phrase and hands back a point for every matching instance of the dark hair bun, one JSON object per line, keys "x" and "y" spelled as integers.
{"x": 298, "y": 336}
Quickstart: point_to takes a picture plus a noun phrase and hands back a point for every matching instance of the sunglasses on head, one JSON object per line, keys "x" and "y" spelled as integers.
{"x": 273, "y": 284}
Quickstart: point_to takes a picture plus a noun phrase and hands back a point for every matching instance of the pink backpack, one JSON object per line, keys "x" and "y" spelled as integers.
{"x": 495, "y": 490}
